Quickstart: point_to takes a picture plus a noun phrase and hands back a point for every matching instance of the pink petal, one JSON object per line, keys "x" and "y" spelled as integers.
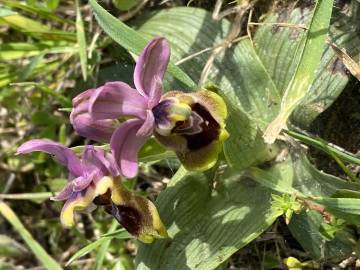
{"x": 97, "y": 130}
{"x": 85, "y": 125}
{"x": 148, "y": 126}
{"x": 81, "y": 183}
{"x": 151, "y": 66}
{"x": 63, "y": 154}
{"x": 125, "y": 145}
{"x": 116, "y": 99}
{"x": 65, "y": 193}
{"x": 97, "y": 163}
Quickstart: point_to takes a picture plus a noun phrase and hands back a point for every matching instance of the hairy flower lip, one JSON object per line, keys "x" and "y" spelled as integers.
{"x": 198, "y": 150}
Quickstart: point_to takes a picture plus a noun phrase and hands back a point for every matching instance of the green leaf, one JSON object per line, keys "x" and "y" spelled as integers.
{"x": 36, "y": 29}
{"x": 29, "y": 68}
{"x": 38, "y": 251}
{"x": 208, "y": 219}
{"x": 62, "y": 134}
{"x": 125, "y": 4}
{"x": 52, "y": 4}
{"x": 94, "y": 245}
{"x": 81, "y": 39}
{"x": 130, "y": 39}
{"x": 10, "y": 247}
{"x": 87, "y": 249}
{"x": 329, "y": 230}
{"x": 37, "y": 197}
{"x": 310, "y": 56}
{"x": 296, "y": 176}
{"x": 121, "y": 234}
{"x": 345, "y": 205}
{"x": 325, "y": 146}
{"x": 276, "y": 47}
{"x": 305, "y": 227}
{"x": 100, "y": 256}
{"x": 39, "y": 11}
{"x": 245, "y": 147}
{"x": 10, "y": 51}
{"x": 153, "y": 151}
{"x": 6, "y": 12}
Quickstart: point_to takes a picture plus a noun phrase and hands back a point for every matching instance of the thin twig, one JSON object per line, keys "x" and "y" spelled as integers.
{"x": 191, "y": 56}
{"x": 234, "y": 32}
{"x": 291, "y": 25}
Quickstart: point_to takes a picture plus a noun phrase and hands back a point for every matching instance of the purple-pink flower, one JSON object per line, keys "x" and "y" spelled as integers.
{"x": 84, "y": 173}
{"x": 118, "y": 99}
{"x": 190, "y": 124}
{"x": 94, "y": 180}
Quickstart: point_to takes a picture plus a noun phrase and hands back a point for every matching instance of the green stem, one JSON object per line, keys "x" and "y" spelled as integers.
{"x": 325, "y": 146}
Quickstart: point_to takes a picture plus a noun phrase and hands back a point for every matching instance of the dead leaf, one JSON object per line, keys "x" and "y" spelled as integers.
{"x": 349, "y": 63}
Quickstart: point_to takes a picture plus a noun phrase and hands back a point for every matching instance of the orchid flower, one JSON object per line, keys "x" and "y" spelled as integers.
{"x": 94, "y": 180}
{"x": 191, "y": 124}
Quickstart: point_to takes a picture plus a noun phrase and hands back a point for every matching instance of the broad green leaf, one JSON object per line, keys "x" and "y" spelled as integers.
{"x": 279, "y": 179}
{"x": 81, "y": 40}
{"x": 252, "y": 98}
{"x": 130, "y": 39}
{"x": 208, "y": 219}
{"x": 45, "y": 259}
{"x": 345, "y": 193}
{"x": 346, "y": 205}
{"x": 309, "y": 60}
{"x": 245, "y": 147}
{"x": 276, "y": 47}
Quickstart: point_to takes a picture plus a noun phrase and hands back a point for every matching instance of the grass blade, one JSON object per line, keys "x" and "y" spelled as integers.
{"x": 81, "y": 39}
{"x": 41, "y": 12}
{"x": 325, "y": 146}
{"x": 85, "y": 250}
{"x": 40, "y": 196}
{"x": 47, "y": 261}
{"x": 305, "y": 71}
{"x": 104, "y": 247}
